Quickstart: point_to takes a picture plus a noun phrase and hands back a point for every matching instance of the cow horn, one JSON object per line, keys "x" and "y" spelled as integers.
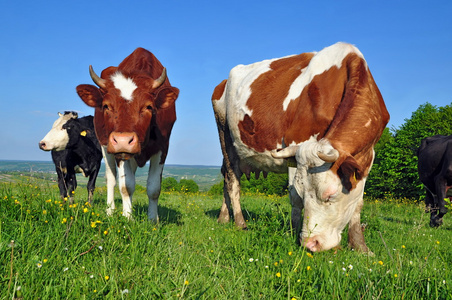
{"x": 97, "y": 80}
{"x": 286, "y": 152}
{"x": 159, "y": 81}
{"x": 329, "y": 157}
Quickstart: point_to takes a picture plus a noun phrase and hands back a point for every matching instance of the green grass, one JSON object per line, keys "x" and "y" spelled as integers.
{"x": 77, "y": 252}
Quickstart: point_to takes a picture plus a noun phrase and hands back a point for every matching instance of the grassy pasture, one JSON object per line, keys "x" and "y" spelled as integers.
{"x": 77, "y": 252}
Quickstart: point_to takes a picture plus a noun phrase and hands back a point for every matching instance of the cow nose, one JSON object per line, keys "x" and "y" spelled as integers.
{"x": 42, "y": 145}
{"x": 123, "y": 142}
{"x": 312, "y": 244}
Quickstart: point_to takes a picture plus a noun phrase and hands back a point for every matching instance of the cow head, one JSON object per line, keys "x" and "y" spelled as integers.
{"x": 126, "y": 104}
{"x": 328, "y": 201}
{"x": 57, "y": 138}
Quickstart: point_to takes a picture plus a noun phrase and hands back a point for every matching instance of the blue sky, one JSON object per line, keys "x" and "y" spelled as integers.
{"x": 47, "y": 46}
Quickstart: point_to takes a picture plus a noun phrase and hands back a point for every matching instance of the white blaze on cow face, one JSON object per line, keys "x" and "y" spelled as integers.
{"x": 57, "y": 138}
{"x": 322, "y": 61}
{"x": 328, "y": 206}
{"x": 124, "y": 84}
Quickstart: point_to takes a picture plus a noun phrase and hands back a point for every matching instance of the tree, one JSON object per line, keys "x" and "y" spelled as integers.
{"x": 187, "y": 186}
{"x": 395, "y": 168}
{"x": 169, "y": 184}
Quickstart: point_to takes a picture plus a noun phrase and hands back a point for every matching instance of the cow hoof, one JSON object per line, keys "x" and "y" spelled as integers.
{"x": 436, "y": 222}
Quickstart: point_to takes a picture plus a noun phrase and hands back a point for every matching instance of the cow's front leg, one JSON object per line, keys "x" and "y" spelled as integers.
{"x": 154, "y": 184}
{"x": 92, "y": 184}
{"x": 110, "y": 175}
{"x": 295, "y": 201}
{"x": 126, "y": 178}
{"x": 355, "y": 231}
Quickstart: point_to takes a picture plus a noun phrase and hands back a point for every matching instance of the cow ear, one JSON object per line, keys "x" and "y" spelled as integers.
{"x": 350, "y": 172}
{"x": 166, "y": 97}
{"x": 90, "y": 95}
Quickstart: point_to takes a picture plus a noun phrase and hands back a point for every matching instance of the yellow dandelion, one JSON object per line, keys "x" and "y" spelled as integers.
{"x": 437, "y": 242}
{"x": 276, "y": 263}
{"x": 395, "y": 275}
{"x": 309, "y": 255}
{"x": 44, "y": 212}
{"x": 93, "y": 224}
{"x": 290, "y": 252}
{"x": 308, "y": 268}
{"x": 380, "y": 262}
{"x": 85, "y": 210}
{"x": 48, "y": 201}
{"x": 107, "y": 277}
{"x": 186, "y": 282}
{"x": 45, "y": 260}
{"x": 403, "y": 246}
{"x": 64, "y": 221}
{"x": 278, "y": 274}
{"x": 105, "y": 232}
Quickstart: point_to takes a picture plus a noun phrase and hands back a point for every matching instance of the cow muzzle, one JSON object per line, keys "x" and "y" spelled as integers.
{"x": 123, "y": 145}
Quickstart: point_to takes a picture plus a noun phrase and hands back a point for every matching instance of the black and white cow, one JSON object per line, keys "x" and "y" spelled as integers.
{"x": 75, "y": 149}
{"x": 435, "y": 172}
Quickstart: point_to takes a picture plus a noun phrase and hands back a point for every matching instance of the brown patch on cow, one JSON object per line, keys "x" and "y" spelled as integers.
{"x": 247, "y": 125}
{"x": 268, "y": 91}
{"x": 219, "y": 90}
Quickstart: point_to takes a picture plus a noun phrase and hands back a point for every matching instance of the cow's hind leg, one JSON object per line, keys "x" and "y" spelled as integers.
{"x": 231, "y": 192}
{"x": 154, "y": 183}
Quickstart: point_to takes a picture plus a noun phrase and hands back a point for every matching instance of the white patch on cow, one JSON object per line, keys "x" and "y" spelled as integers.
{"x": 321, "y": 62}
{"x": 124, "y": 84}
{"x": 328, "y": 206}
{"x": 57, "y": 138}
{"x": 154, "y": 185}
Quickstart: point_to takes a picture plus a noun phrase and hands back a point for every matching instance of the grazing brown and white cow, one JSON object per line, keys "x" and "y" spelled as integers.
{"x": 323, "y": 112}
{"x": 134, "y": 115}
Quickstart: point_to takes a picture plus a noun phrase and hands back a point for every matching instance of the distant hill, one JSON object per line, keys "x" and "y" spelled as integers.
{"x": 204, "y": 176}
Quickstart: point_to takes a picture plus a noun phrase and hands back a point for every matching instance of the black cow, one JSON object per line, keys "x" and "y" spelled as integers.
{"x": 435, "y": 172}
{"x": 75, "y": 148}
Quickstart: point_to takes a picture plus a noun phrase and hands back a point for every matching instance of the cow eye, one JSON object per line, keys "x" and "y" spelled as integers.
{"x": 149, "y": 107}
{"x": 105, "y": 107}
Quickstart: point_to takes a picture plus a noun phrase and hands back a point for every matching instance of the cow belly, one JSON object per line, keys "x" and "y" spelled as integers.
{"x": 252, "y": 161}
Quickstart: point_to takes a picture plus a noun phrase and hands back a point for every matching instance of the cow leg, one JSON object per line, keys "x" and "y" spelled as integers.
{"x": 110, "y": 175}
{"x": 92, "y": 184}
{"x": 71, "y": 184}
{"x": 431, "y": 206}
{"x": 295, "y": 201}
{"x": 154, "y": 185}
{"x": 231, "y": 193}
{"x": 355, "y": 230}
{"x": 126, "y": 178}
{"x": 61, "y": 183}
{"x": 440, "y": 209}
{"x": 231, "y": 172}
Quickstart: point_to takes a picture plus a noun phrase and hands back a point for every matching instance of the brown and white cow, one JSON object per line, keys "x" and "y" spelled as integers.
{"x": 322, "y": 111}
{"x": 134, "y": 115}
